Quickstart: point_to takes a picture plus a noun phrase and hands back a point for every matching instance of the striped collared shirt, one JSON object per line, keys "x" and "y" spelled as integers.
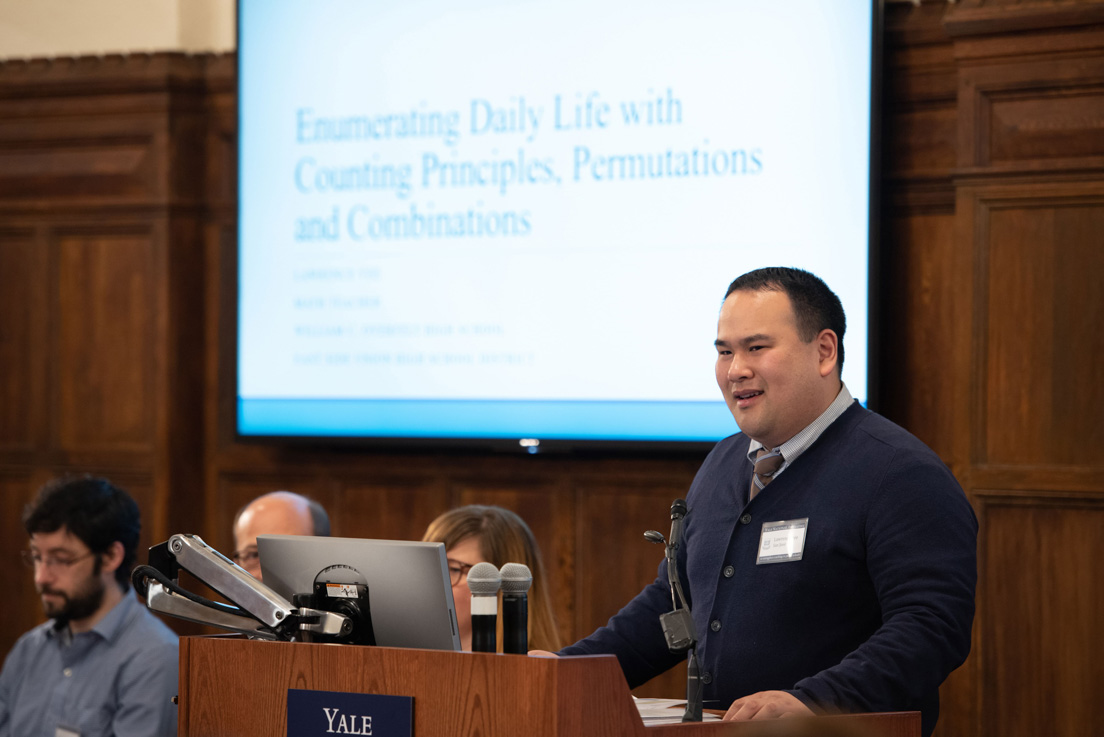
{"x": 799, "y": 443}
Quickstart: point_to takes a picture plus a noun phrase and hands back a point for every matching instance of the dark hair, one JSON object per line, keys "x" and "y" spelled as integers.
{"x": 92, "y": 509}
{"x": 815, "y": 306}
{"x": 320, "y": 521}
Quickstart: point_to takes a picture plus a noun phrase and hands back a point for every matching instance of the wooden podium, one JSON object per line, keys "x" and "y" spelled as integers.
{"x": 233, "y": 687}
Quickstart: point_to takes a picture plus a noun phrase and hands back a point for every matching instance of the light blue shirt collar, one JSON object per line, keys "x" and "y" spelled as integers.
{"x": 799, "y": 443}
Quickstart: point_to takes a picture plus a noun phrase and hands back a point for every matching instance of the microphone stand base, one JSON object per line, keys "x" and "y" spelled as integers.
{"x": 693, "y": 688}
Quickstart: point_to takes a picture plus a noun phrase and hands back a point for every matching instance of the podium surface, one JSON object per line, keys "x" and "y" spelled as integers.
{"x": 234, "y": 686}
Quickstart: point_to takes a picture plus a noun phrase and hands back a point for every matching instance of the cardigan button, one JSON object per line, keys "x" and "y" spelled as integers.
{"x": 728, "y": 571}
{"x": 715, "y": 625}
{"x": 707, "y": 678}
{"x": 745, "y": 520}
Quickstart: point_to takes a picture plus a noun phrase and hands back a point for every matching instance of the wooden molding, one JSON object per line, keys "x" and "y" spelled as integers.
{"x": 83, "y": 76}
{"x": 1045, "y": 115}
{"x": 991, "y": 17}
{"x": 1035, "y": 268}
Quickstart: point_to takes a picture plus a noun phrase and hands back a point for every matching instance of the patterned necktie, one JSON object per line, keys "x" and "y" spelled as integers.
{"x": 767, "y": 462}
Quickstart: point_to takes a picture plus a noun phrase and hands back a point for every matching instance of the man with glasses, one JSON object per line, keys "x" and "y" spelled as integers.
{"x": 276, "y": 513}
{"x": 103, "y": 665}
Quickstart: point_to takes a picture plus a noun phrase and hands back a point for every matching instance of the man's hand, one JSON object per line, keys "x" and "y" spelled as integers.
{"x": 766, "y": 705}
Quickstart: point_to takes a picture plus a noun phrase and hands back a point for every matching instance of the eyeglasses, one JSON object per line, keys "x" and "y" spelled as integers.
{"x": 457, "y": 571}
{"x": 246, "y": 557}
{"x": 35, "y": 560}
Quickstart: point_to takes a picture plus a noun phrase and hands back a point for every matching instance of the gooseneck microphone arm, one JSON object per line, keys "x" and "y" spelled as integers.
{"x": 678, "y": 624}
{"x": 678, "y": 513}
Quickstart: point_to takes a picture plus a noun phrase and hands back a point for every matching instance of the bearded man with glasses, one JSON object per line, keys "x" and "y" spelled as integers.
{"x": 103, "y": 666}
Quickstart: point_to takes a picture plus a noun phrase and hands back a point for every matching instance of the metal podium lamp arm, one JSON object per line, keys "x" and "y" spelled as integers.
{"x": 257, "y": 610}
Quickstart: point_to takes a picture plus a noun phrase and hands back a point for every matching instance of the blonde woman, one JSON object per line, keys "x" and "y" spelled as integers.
{"x": 477, "y": 534}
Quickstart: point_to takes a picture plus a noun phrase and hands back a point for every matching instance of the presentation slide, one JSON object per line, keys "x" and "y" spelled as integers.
{"x": 489, "y": 219}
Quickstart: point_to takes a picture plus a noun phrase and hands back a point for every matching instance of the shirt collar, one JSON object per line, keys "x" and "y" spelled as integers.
{"x": 115, "y": 620}
{"x": 799, "y": 443}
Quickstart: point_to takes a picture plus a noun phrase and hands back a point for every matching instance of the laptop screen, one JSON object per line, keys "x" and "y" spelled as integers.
{"x": 408, "y": 582}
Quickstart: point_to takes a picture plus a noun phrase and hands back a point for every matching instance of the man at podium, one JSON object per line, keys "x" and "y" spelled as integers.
{"x": 829, "y": 556}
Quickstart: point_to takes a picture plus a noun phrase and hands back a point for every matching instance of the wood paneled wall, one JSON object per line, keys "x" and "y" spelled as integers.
{"x": 101, "y": 274}
{"x": 993, "y": 258}
{"x": 117, "y": 272}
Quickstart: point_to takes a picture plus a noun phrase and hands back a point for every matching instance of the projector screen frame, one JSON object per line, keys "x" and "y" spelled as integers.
{"x": 581, "y": 446}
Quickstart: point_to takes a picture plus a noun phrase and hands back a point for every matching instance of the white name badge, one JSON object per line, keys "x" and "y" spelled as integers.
{"x": 782, "y": 542}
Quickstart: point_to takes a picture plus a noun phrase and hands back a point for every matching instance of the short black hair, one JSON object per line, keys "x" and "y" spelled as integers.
{"x": 815, "y": 306}
{"x": 95, "y": 511}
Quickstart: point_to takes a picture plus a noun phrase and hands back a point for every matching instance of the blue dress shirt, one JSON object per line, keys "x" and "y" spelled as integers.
{"x": 116, "y": 680}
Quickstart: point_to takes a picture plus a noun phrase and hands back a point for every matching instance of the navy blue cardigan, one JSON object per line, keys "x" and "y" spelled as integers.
{"x": 874, "y": 616}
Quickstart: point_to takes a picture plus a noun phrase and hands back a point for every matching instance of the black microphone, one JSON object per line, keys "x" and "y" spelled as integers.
{"x": 516, "y": 580}
{"x": 678, "y": 624}
{"x": 484, "y": 581}
{"x": 678, "y": 512}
